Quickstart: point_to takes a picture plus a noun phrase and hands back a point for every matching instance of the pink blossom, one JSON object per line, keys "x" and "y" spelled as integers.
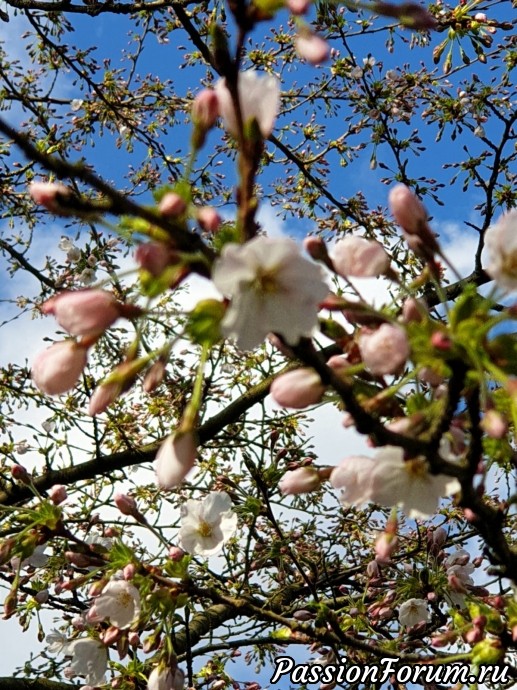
{"x": 154, "y": 376}
{"x": 50, "y": 195}
{"x": 298, "y": 6}
{"x": 501, "y": 243}
{"x": 57, "y": 494}
{"x": 103, "y": 396}
{"x": 407, "y": 209}
{"x": 209, "y": 219}
{"x": 312, "y": 48}
{"x": 176, "y": 554}
{"x": 259, "y": 97}
{"x": 57, "y": 369}
{"x": 85, "y": 312}
{"x": 359, "y": 257}
{"x": 172, "y": 205}
{"x": 384, "y": 351}
{"x": 495, "y": 425}
{"x": 205, "y": 109}
{"x": 175, "y": 458}
{"x": 154, "y": 257}
{"x": 126, "y": 504}
{"x": 413, "y": 310}
{"x": 300, "y": 481}
{"x": 297, "y": 389}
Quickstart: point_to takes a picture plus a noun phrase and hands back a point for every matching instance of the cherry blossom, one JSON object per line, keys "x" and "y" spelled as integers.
{"x": 501, "y": 243}
{"x": 84, "y": 312}
{"x": 208, "y": 524}
{"x": 57, "y": 369}
{"x": 300, "y": 481}
{"x": 385, "y": 350}
{"x": 89, "y": 659}
{"x": 272, "y": 288}
{"x": 353, "y": 477}
{"x": 312, "y": 48}
{"x": 56, "y": 643}
{"x": 165, "y": 678}
{"x": 259, "y": 98}
{"x": 119, "y": 602}
{"x": 408, "y": 483}
{"x": 298, "y": 389}
{"x": 175, "y": 458}
{"x": 413, "y": 611}
{"x": 359, "y": 257}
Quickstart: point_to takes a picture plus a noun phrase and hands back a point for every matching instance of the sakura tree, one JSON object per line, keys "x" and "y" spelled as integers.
{"x": 229, "y": 224}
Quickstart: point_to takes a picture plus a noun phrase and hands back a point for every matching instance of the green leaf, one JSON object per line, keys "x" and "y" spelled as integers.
{"x": 204, "y": 322}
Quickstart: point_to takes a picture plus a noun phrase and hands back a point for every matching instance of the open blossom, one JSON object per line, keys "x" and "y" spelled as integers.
{"x": 273, "y": 288}
{"x": 298, "y": 389}
{"x": 175, "y": 458}
{"x": 359, "y": 257}
{"x": 84, "y": 312}
{"x": 385, "y": 350}
{"x": 89, "y": 659}
{"x": 208, "y": 524}
{"x": 501, "y": 243}
{"x": 119, "y": 602}
{"x": 408, "y": 483}
{"x": 259, "y": 98}
{"x": 413, "y": 611}
{"x": 353, "y": 477}
{"x": 57, "y": 369}
{"x": 56, "y": 643}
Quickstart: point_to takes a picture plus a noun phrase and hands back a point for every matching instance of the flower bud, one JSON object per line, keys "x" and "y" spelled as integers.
{"x": 385, "y": 350}
{"x": 176, "y": 554}
{"x": 57, "y": 494}
{"x": 360, "y": 258}
{"x": 300, "y": 481}
{"x": 175, "y": 458}
{"x": 20, "y": 474}
{"x": 297, "y": 389}
{"x": 312, "y": 48}
{"x": 84, "y": 312}
{"x": 407, "y": 209}
{"x": 494, "y": 424}
{"x": 209, "y": 219}
{"x": 171, "y": 206}
{"x": 155, "y": 257}
{"x": 52, "y": 196}
{"x": 205, "y": 109}
{"x": 57, "y": 369}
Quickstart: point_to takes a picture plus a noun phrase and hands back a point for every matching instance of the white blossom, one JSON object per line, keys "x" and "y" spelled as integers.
{"x": 353, "y": 477}
{"x": 408, "y": 483}
{"x": 413, "y": 611}
{"x": 259, "y": 98}
{"x": 89, "y": 659}
{"x": 56, "y": 643}
{"x": 273, "y": 288}
{"x": 208, "y": 524}
{"x": 501, "y": 243}
{"x": 119, "y": 602}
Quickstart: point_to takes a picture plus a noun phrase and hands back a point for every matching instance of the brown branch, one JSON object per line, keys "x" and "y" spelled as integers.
{"x": 95, "y": 8}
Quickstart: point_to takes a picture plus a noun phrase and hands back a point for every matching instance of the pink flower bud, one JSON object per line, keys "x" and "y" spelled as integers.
{"x": 80, "y": 560}
{"x": 20, "y": 474}
{"x": 407, "y": 209}
{"x": 480, "y": 17}
{"x": 429, "y": 375}
{"x": 155, "y": 257}
{"x": 50, "y": 195}
{"x": 300, "y": 481}
{"x": 413, "y": 310}
{"x": 316, "y": 249}
{"x": 473, "y": 635}
{"x": 57, "y": 494}
{"x": 359, "y": 257}
{"x": 103, "y": 396}
{"x": 134, "y": 639}
{"x": 126, "y": 504}
{"x": 297, "y": 389}
{"x": 209, "y": 219}
{"x": 154, "y": 376}
{"x": 84, "y": 312}
{"x": 175, "y": 458}
{"x": 57, "y": 369}
{"x": 312, "y": 48}
{"x": 441, "y": 341}
{"x": 171, "y": 206}
{"x": 111, "y": 635}
{"x": 298, "y": 6}
{"x": 384, "y": 547}
{"x": 129, "y": 571}
{"x": 42, "y": 596}
{"x": 494, "y": 424}
{"x": 176, "y": 554}
{"x": 384, "y": 351}
{"x": 205, "y": 109}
